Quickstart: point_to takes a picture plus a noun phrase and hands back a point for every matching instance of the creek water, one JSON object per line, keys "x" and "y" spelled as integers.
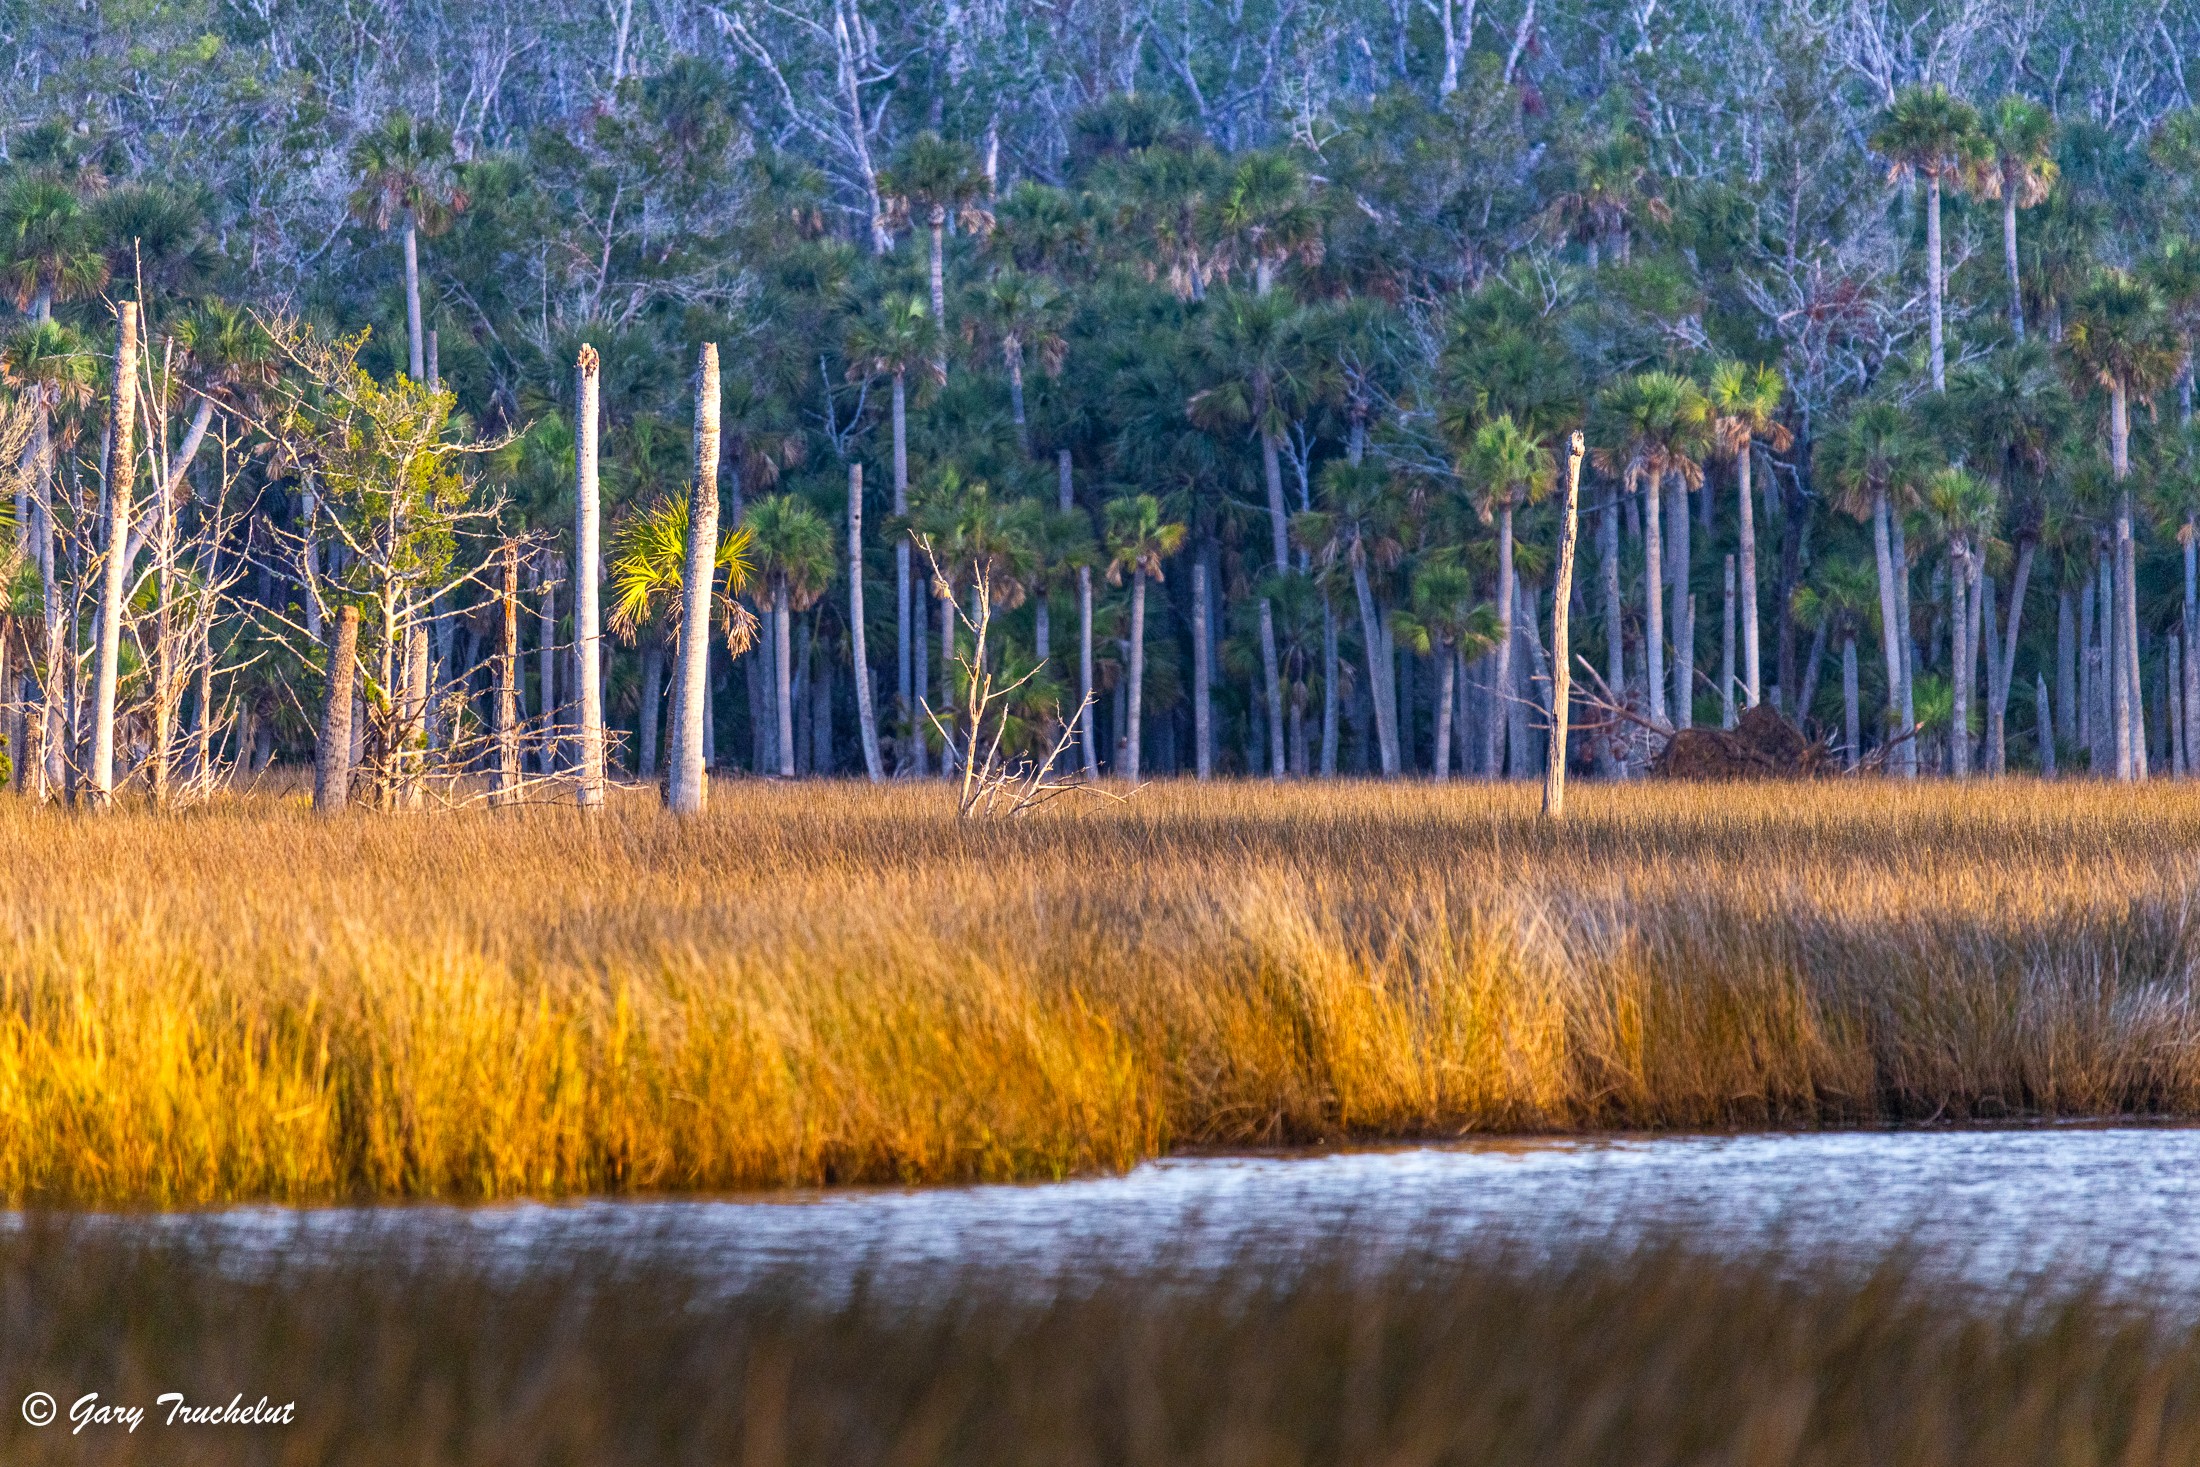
{"x": 2005, "y": 1207}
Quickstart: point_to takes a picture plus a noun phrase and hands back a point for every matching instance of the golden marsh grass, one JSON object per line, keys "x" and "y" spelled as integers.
{"x": 823, "y": 983}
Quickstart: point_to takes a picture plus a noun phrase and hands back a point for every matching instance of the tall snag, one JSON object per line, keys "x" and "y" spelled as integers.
{"x": 121, "y": 470}
{"x": 332, "y": 756}
{"x": 587, "y": 578}
{"x": 684, "y": 790}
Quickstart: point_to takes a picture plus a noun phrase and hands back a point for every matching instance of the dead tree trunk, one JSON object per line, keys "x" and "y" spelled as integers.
{"x": 332, "y": 756}
{"x": 685, "y": 791}
{"x": 587, "y": 572}
{"x": 506, "y": 789}
{"x": 121, "y": 463}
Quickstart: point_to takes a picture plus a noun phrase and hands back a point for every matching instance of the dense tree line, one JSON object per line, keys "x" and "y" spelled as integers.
{"x": 1215, "y": 359}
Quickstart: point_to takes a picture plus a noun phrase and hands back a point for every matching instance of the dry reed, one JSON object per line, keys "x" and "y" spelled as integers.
{"x": 399, "y": 1355}
{"x": 831, "y": 983}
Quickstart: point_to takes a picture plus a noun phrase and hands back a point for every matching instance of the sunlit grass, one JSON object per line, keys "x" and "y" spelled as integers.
{"x": 830, "y": 983}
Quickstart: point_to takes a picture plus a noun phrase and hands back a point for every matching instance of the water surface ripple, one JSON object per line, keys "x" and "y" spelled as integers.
{"x": 2000, "y": 1206}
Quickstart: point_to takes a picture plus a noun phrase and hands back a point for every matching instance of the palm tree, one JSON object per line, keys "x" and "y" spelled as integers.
{"x": 407, "y": 178}
{"x": 1845, "y": 595}
{"x": 1138, "y": 539}
{"x": 1265, "y": 216}
{"x": 2011, "y": 411}
{"x": 647, "y": 566}
{"x": 899, "y": 340}
{"x": 930, "y": 179}
{"x": 2019, "y": 169}
{"x": 1023, "y": 312}
{"x": 1871, "y": 460}
{"x": 977, "y": 539}
{"x": 1357, "y": 526}
{"x": 1745, "y": 402}
{"x": 1506, "y": 466}
{"x": 1647, "y": 428}
{"x": 1442, "y": 617}
{"x": 2120, "y": 335}
{"x": 49, "y": 250}
{"x": 1610, "y": 187}
{"x": 796, "y": 559}
{"x": 2173, "y": 502}
{"x": 1960, "y": 507}
{"x": 1167, "y": 194}
{"x": 1928, "y": 132}
{"x": 1251, "y": 342}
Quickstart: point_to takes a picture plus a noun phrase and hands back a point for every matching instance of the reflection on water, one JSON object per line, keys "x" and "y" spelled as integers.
{"x": 2000, "y": 1205}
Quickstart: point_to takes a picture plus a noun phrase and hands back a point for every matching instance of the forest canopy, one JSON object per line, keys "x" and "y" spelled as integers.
{"x": 1216, "y": 358}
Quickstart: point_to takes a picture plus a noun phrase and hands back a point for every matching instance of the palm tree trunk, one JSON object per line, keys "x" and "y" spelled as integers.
{"x": 1562, "y": 595}
{"x": 1906, "y": 755}
{"x": 653, "y": 693}
{"x": 1965, "y": 660}
{"x": 2009, "y": 259}
{"x": 912, "y": 758}
{"x": 938, "y": 268}
{"x": 121, "y": 471}
{"x": 1933, "y": 281}
{"x": 1378, "y": 686}
{"x": 2004, "y": 675}
{"x": 2123, "y": 642}
{"x": 1329, "y": 687}
{"x": 1279, "y": 537}
{"x": 1683, "y": 622}
{"x": 2189, "y": 685}
{"x": 1890, "y": 623}
{"x": 1726, "y": 652}
{"x": 2172, "y": 685}
{"x": 1653, "y": 595}
{"x": 2066, "y": 664}
{"x": 783, "y": 676}
{"x": 417, "y": 343}
{"x": 1440, "y": 757}
{"x": 588, "y": 578}
{"x": 1852, "y": 731}
{"x": 2044, "y": 723}
{"x": 1013, "y": 351}
{"x": 866, "y": 718}
{"x": 332, "y": 755}
{"x": 688, "y": 788}
{"x": 1752, "y": 687}
{"x": 1084, "y": 671}
{"x": 1272, "y": 685}
{"x": 1812, "y": 665}
{"x": 1615, "y": 611}
{"x": 1503, "y": 678}
{"x": 1134, "y": 711}
{"x": 1202, "y": 674}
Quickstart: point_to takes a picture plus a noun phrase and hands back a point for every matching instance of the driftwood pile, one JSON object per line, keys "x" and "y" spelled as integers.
{"x": 1761, "y": 745}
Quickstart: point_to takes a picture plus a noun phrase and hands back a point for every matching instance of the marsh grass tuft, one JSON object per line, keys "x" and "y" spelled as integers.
{"x": 832, "y": 983}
